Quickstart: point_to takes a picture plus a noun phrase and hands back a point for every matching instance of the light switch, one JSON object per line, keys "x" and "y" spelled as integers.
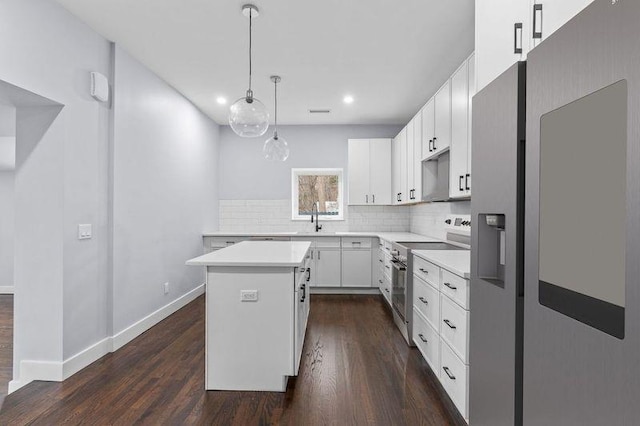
{"x": 85, "y": 231}
{"x": 248, "y": 295}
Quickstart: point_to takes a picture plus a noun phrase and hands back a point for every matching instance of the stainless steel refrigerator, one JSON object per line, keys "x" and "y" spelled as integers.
{"x": 555, "y": 265}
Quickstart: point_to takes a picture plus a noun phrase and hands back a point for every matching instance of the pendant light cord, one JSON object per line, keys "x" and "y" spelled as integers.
{"x": 250, "y": 30}
{"x": 275, "y": 85}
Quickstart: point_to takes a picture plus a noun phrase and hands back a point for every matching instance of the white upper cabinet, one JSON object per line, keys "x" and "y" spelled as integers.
{"x": 380, "y": 171}
{"x": 416, "y": 194}
{"x": 404, "y": 197}
{"x": 502, "y": 37}
{"x": 408, "y": 192}
{"x": 437, "y": 130}
{"x": 460, "y": 113}
{"x": 397, "y": 169}
{"x": 369, "y": 171}
{"x": 549, "y": 15}
{"x": 506, "y": 30}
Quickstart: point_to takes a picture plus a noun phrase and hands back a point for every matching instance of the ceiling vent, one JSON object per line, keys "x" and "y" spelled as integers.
{"x": 319, "y": 111}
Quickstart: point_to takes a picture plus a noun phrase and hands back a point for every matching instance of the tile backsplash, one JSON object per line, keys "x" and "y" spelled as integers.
{"x": 275, "y": 216}
{"x": 428, "y": 219}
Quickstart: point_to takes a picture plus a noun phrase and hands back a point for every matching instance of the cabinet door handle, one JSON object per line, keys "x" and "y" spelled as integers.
{"x": 537, "y": 11}
{"x": 517, "y": 31}
{"x": 308, "y": 274}
{"x": 446, "y": 370}
{"x": 450, "y": 286}
{"x": 304, "y": 292}
{"x": 374, "y": 198}
{"x": 318, "y": 254}
{"x": 421, "y": 336}
{"x": 424, "y": 270}
{"x": 423, "y": 300}
{"x": 400, "y": 196}
{"x": 460, "y": 184}
{"x": 311, "y": 254}
{"x": 434, "y": 144}
{"x": 451, "y": 326}
{"x": 466, "y": 181}
{"x": 367, "y": 199}
{"x": 430, "y": 142}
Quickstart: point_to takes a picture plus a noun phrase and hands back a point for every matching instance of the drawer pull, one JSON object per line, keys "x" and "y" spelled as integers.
{"x": 387, "y": 266}
{"x": 423, "y": 300}
{"x": 387, "y": 290}
{"x": 380, "y": 281}
{"x": 422, "y": 338}
{"x": 446, "y": 370}
{"x": 380, "y": 260}
{"x": 424, "y": 271}
{"x": 449, "y": 324}
{"x": 452, "y": 287}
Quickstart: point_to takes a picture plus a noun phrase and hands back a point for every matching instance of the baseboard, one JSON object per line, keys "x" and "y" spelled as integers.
{"x": 6, "y": 289}
{"x": 343, "y": 290}
{"x": 59, "y": 371}
{"x": 136, "y": 329}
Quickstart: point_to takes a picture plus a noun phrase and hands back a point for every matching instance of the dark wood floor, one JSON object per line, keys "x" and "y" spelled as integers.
{"x": 6, "y": 343}
{"x": 356, "y": 370}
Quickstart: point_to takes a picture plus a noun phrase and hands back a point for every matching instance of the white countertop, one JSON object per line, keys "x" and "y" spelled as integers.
{"x": 257, "y": 253}
{"x": 455, "y": 261}
{"x": 387, "y": 236}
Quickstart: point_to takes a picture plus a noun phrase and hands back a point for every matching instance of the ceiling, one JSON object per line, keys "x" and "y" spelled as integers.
{"x": 391, "y": 56}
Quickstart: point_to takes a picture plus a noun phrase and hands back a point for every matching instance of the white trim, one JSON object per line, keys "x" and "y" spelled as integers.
{"x": 344, "y": 290}
{"x": 59, "y": 371}
{"x": 128, "y": 334}
{"x": 314, "y": 171}
{"x": 6, "y": 289}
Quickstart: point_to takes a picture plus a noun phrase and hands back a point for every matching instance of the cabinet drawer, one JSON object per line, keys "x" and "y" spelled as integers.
{"x": 328, "y": 242}
{"x": 454, "y": 376}
{"x": 386, "y": 246}
{"x": 387, "y": 266}
{"x": 381, "y": 258}
{"x": 385, "y": 289}
{"x": 356, "y": 243}
{"x": 454, "y": 327}
{"x": 456, "y": 287}
{"x": 222, "y": 242}
{"x": 427, "y": 271}
{"x": 427, "y": 340}
{"x": 426, "y": 300}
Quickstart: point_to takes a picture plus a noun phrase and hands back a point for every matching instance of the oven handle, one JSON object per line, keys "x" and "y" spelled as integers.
{"x": 397, "y": 265}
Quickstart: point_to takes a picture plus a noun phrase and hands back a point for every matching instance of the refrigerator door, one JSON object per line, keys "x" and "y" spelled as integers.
{"x": 496, "y": 251}
{"x": 582, "y": 232}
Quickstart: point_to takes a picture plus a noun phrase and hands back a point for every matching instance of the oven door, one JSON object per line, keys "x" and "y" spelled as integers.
{"x": 399, "y": 288}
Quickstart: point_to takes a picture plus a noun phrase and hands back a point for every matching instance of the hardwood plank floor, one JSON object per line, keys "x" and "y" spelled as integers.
{"x": 356, "y": 370}
{"x": 6, "y": 343}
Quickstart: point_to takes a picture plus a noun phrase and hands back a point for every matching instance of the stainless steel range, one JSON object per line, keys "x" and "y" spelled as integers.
{"x": 458, "y": 238}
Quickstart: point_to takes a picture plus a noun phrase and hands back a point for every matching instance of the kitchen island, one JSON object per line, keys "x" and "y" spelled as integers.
{"x": 257, "y": 306}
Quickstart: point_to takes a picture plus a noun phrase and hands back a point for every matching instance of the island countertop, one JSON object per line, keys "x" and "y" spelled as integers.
{"x": 257, "y": 253}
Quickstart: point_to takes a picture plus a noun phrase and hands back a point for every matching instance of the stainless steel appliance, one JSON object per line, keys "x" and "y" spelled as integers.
{"x": 458, "y": 228}
{"x": 555, "y": 294}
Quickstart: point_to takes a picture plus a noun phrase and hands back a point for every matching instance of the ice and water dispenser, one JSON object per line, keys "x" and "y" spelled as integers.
{"x": 491, "y": 248}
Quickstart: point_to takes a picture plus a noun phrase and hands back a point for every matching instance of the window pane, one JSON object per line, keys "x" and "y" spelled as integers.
{"x": 323, "y": 189}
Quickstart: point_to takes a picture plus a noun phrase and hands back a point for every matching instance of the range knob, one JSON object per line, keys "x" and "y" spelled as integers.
{"x": 448, "y": 221}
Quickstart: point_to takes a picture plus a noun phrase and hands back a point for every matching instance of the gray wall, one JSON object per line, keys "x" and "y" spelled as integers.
{"x": 6, "y": 228}
{"x": 246, "y": 175}
{"x": 164, "y": 191}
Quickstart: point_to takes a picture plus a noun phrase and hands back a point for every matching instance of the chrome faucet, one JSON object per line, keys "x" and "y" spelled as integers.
{"x": 318, "y": 226}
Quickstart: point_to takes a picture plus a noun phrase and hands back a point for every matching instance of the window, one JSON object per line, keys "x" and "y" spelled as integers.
{"x": 322, "y": 187}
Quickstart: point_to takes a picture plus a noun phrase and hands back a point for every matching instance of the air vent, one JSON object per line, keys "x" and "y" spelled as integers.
{"x": 319, "y": 111}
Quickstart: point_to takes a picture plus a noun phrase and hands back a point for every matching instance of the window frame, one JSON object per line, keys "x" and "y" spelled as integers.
{"x": 322, "y": 172}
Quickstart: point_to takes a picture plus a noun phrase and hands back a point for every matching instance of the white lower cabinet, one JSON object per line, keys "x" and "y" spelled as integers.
{"x": 441, "y": 327}
{"x": 328, "y": 268}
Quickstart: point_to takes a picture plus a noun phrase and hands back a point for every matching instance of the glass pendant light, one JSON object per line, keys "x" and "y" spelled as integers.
{"x": 248, "y": 117}
{"x": 276, "y": 148}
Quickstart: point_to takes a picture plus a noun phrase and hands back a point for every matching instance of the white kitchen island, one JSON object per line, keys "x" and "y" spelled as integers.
{"x": 257, "y": 306}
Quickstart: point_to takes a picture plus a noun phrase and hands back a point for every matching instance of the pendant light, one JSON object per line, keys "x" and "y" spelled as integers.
{"x": 276, "y": 148}
{"x": 248, "y": 117}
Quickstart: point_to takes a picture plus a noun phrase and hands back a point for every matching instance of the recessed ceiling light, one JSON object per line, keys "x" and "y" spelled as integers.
{"x": 348, "y": 99}
{"x": 221, "y": 100}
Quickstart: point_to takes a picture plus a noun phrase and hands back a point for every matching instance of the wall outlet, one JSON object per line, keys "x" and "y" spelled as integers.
{"x": 166, "y": 288}
{"x": 248, "y": 295}
{"x": 85, "y": 231}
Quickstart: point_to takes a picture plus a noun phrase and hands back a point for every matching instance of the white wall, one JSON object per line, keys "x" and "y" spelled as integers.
{"x": 246, "y": 175}
{"x": 165, "y": 191}
{"x": 6, "y": 228}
